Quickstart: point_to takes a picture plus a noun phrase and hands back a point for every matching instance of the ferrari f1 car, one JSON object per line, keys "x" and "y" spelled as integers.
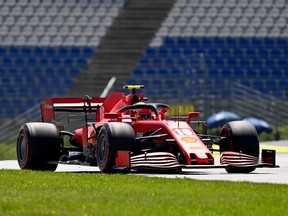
{"x": 128, "y": 133}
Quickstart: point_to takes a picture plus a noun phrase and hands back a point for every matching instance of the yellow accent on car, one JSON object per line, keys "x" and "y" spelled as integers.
{"x": 133, "y": 86}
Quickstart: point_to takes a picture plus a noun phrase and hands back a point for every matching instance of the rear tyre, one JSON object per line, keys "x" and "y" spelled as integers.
{"x": 38, "y": 145}
{"x": 112, "y": 137}
{"x": 241, "y": 137}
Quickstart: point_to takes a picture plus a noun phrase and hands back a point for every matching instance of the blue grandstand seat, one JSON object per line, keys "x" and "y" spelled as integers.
{"x": 10, "y": 91}
{"x": 138, "y": 72}
{"x": 275, "y": 53}
{"x": 162, "y": 52}
{"x": 157, "y": 83}
{"x": 226, "y": 52}
{"x": 38, "y": 51}
{"x": 157, "y": 62}
{"x": 67, "y": 82}
{"x": 237, "y": 52}
{"x": 270, "y": 63}
{"x": 213, "y": 52}
{"x": 175, "y": 52}
{"x": 19, "y": 62}
{"x": 31, "y": 62}
{"x": 163, "y": 72}
{"x": 263, "y": 53}
{"x": 151, "y": 52}
{"x": 68, "y": 62}
{"x": 169, "y": 83}
{"x": 251, "y": 73}
{"x": 182, "y": 62}
{"x": 276, "y": 73}
{"x": 181, "y": 42}
{"x": 268, "y": 42}
{"x": 219, "y": 62}
{"x": 50, "y": 51}
{"x": 226, "y": 72}
{"x": 244, "y": 63}
{"x": 74, "y": 72}
{"x": 75, "y": 51}
{"x": 151, "y": 72}
{"x": 14, "y": 51}
{"x": 2, "y": 72}
{"x": 214, "y": 73}
{"x": 225, "y": 94}
{"x": 26, "y": 51}
{"x": 38, "y": 71}
{"x": 6, "y": 81}
{"x": 194, "y": 42}
{"x": 256, "y": 42}
{"x": 170, "y": 62}
{"x": 131, "y": 81}
{"x": 243, "y": 42}
{"x": 175, "y": 72}
{"x": 7, "y": 62}
{"x": 56, "y": 62}
{"x": 44, "y": 62}
{"x": 239, "y": 73}
{"x": 219, "y": 42}
{"x": 3, "y": 51}
{"x": 258, "y": 84}
{"x": 168, "y": 41}
{"x": 282, "y": 63}
{"x": 271, "y": 84}
{"x": 144, "y": 62}
{"x": 207, "y": 42}
{"x": 219, "y": 83}
{"x": 187, "y": 52}
{"x": 232, "y": 62}
{"x": 49, "y": 71}
{"x": 87, "y": 52}
{"x": 231, "y": 42}
{"x": 282, "y": 85}
{"x": 245, "y": 82}
{"x": 281, "y": 42}
{"x": 250, "y": 52}
{"x": 257, "y": 63}
{"x": 81, "y": 62}
{"x": 264, "y": 73}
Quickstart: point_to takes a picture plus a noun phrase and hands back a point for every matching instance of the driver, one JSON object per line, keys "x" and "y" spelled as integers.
{"x": 144, "y": 114}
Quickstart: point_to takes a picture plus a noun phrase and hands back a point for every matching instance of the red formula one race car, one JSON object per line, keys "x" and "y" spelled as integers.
{"x": 128, "y": 133}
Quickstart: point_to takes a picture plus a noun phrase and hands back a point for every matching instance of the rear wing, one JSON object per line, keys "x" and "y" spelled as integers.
{"x": 52, "y": 105}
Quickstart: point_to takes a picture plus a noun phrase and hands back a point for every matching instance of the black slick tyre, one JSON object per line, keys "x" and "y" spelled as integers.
{"x": 38, "y": 146}
{"x": 241, "y": 136}
{"x": 112, "y": 137}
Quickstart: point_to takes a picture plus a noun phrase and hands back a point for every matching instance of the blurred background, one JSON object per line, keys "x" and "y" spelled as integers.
{"x": 195, "y": 55}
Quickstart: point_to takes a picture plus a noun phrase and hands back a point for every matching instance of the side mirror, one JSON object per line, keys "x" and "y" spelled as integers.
{"x": 193, "y": 115}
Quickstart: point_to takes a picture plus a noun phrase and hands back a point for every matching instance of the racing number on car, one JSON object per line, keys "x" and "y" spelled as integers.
{"x": 182, "y": 131}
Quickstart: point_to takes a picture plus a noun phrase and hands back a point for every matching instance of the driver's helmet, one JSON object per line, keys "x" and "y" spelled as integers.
{"x": 144, "y": 114}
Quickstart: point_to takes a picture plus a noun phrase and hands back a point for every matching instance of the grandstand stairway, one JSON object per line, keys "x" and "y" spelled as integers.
{"x": 122, "y": 47}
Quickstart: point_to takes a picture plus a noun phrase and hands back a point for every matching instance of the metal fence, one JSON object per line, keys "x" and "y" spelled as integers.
{"x": 244, "y": 101}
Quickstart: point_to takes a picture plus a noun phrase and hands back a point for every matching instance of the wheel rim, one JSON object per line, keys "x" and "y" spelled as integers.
{"x": 102, "y": 150}
{"x": 22, "y": 148}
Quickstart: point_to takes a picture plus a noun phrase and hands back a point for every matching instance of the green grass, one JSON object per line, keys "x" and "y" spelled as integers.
{"x": 7, "y": 152}
{"x": 45, "y": 193}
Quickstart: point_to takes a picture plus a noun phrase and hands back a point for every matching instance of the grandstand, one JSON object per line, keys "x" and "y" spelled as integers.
{"x": 183, "y": 51}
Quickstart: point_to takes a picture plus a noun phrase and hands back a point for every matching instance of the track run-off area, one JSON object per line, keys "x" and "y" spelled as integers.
{"x": 261, "y": 175}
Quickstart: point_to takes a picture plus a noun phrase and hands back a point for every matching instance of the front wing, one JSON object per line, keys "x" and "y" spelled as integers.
{"x": 168, "y": 161}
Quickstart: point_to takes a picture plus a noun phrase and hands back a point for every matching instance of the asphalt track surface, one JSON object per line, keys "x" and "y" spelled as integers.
{"x": 261, "y": 175}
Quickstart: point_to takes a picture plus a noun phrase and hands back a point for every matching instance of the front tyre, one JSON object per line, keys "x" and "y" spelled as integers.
{"x": 113, "y": 137}
{"x": 38, "y": 145}
{"x": 241, "y": 136}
